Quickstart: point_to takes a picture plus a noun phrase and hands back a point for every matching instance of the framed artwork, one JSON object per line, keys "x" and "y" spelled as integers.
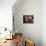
{"x": 28, "y": 19}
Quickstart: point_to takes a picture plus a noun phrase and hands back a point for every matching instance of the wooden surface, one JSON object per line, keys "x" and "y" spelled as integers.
{"x": 8, "y": 43}
{"x": 17, "y": 40}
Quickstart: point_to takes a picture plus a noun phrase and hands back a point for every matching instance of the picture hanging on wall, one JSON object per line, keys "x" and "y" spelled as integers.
{"x": 28, "y": 19}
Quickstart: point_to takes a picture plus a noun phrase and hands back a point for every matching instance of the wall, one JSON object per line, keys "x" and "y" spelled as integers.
{"x": 6, "y": 13}
{"x": 30, "y": 31}
{"x": 43, "y": 22}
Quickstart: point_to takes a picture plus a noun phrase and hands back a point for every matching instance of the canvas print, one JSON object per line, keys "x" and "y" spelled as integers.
{"x": 28, "y": 19}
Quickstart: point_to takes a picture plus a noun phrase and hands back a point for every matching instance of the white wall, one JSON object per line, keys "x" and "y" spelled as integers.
{"x": 31, "y": 31}
{"x": 43, "y": 22}
{"x": 6, "y": 13}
